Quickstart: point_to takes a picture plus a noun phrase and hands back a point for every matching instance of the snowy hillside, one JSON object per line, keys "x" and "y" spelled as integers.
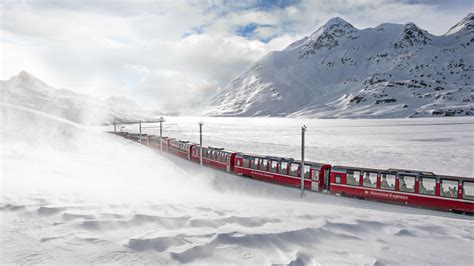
{"x": 339, "y": 71}
{"x": 28, "y": 91}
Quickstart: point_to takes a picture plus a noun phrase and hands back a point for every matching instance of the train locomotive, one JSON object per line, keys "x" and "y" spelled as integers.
{"x": 397, "y": 186}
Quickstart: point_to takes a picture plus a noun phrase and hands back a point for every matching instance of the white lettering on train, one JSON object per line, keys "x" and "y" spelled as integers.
{"x": 387, "y": 195}
{"x": 261, "y": 174}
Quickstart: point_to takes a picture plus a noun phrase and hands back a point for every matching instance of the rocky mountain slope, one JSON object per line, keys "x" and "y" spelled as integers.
{"x": 388, "y": 71}
{"x": 28, "y": 91}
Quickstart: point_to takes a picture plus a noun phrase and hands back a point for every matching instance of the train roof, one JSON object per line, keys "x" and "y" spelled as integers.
{"x": 406, "y": 171}
{"x": 217, "y": 148}
{"x": 276, "y": 158}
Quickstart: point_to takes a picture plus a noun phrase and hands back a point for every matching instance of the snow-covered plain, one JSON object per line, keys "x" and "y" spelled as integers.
{"x": 72, "y": 194}
{"x": 440, "y": 145}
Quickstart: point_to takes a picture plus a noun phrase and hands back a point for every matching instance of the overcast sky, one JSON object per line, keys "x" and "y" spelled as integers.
{"x": 170, "y": 54}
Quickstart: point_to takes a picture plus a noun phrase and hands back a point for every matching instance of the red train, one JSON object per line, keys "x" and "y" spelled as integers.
{"x": 399, "y": 186}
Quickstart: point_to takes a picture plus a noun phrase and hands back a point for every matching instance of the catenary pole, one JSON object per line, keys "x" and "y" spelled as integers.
{"x": 140, "y": 131}
{"x": 161, "y": 133}
{"x": 200, "y": 142}
{"x": 303, "y": 129}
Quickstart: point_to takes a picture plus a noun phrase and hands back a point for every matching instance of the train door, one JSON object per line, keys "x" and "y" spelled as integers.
{"x": 324, "y": 173}
{"x": 326, "y": 179}
{"x": 227, "y": 162}
{"x": 232, "y": 162}
{"x": 315, "y": 180}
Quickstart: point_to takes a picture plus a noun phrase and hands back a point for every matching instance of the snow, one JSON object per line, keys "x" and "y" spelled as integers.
{"x": 73, "y": 194}
{"x": 465, "y": 24}
{"x": 390, "y": 71}
{"x": 28, "y": 91}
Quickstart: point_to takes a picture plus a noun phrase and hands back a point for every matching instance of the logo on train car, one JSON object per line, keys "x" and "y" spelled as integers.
{"x": 261, "y": 174}
{"x": 386, "y": 195}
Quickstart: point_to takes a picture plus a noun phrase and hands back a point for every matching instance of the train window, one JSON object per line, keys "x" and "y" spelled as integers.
{"x": 353, "y": 177}
{"x": 294, "y": 169}
{"x": 263, "y": 164}
{"x": 387, "y": 182}
{"x": 246, "y": 163}
{"x": 338, "y": 179}
{"x": 238, "y": 163}
{"x": 449, "y": 188}
{"x": 306, "y": 171}
{"x": 428, "y": 186}
{"x": 407, "y": 183}
{"x": 273, "y": 166}
{"x": 468, "y": 190}
{"x": 283, "y": 167}
{"x": 370, "y": 179}
{"x": 254, "y": 163}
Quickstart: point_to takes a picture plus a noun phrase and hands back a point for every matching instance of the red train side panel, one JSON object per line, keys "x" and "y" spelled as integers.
{"x": 404, "y": 187}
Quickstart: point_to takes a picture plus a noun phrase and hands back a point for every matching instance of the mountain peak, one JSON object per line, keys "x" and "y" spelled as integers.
{"x": 25, "y": 75}
{"x": 327, "y": 36}
{"x": 337, "y": 21}
{"x": 28, "y": 79}
{"x": 412, "y": 35}
{"x": 467, "y": 23}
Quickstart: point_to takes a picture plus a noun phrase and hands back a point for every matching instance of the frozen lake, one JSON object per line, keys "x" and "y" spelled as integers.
{"x": 440, "y": 145}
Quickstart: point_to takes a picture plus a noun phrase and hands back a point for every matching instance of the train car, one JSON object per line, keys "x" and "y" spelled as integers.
{"x": 215, "y": 157}
{"x": 399, "y": 186}
{"x": 153, "y": 142}
{"x": 180, "y": 148}
{"x": 136, "y": 137}
{"x": 407, "y": 187}
{"x": 284, "y": 171}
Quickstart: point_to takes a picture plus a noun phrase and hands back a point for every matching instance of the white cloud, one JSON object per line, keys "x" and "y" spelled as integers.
{"x": 172, "y": 54}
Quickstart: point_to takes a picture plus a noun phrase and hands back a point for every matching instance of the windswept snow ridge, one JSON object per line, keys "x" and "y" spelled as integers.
{"x": 390, "y": 71}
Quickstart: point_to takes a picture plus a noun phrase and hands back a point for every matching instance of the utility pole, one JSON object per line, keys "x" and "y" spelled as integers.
{"x": 200, "y": 142}
{"x": 161, "y": 133}
{"x": 303, "y": 129}
{"x": 140, "y": 134}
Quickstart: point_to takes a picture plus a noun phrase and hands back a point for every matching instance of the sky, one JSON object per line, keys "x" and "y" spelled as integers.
{"x": 171, "y": 55}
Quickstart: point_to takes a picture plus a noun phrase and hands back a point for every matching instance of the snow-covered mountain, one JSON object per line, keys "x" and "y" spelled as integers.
{"x": 28, "y": 91}
{"x": 388, "y": 71}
